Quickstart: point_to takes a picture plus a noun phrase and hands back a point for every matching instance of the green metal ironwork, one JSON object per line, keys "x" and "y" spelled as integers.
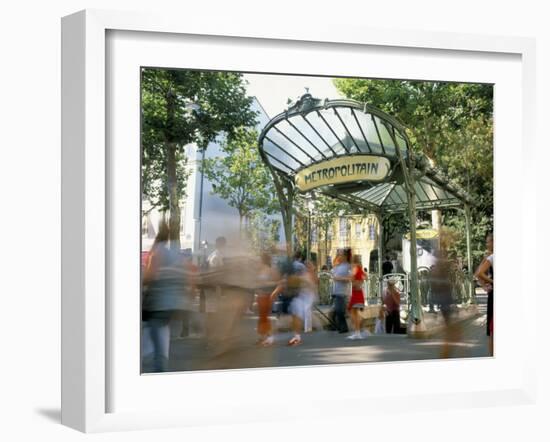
{"x": 325, "y": 287}
{"x": 380, "y": 246}
{"x": 312, "y": 131}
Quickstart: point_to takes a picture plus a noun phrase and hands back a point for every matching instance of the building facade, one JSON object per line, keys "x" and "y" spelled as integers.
{"x": 204, "y": 215}
{"x": 357, "y": 232}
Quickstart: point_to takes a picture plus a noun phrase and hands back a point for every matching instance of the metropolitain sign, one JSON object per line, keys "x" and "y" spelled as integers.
{"x": 343, "y": 170}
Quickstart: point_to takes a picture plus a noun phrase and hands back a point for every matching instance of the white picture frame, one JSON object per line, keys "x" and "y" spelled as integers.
{"x": 86, "y": 350}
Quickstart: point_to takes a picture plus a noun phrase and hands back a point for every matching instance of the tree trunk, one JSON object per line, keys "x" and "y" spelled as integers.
{"x": 174, "y": 221}
{"x": 436, "y": 214}
{"x": 241, "y": 217}
{"x": 287, "y": 220}
{"x": 326, "y": 245}
{"x": 171, "y": 174}
{"x": 286, "y": 200}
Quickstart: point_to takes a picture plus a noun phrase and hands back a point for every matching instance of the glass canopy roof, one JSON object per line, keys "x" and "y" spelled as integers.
{"x": 314, "y": 132}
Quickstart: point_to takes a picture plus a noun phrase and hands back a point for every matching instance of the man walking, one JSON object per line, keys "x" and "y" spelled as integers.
{"x": 341, "y": 275}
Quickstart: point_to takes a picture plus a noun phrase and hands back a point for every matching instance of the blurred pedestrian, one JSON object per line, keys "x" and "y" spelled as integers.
{"x": 295, "y": 287}
{"x": 357, "y": 301}
{"x": 164, "y": 294}
{"x": 380, "y": 326}
{"x": 213, "y": 301}
{"x": 288, "y": 289}
{"x": 191, "y": 271}
{"x": 392, "y": 301}
{"x": 267, "y": 278}
{"x": 309, "y": 295}
{"x": 216, "y": 258}
{"x": 485, "y": 274}
{"x": 341, "y": 276}
{"x": 441, "y": 277}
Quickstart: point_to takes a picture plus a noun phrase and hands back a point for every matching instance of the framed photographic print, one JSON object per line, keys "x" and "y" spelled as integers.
{"x": 249, "y": 213}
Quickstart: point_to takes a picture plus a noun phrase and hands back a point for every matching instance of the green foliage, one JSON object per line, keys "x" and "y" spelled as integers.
{"x": 187, "y": 106}
{"x": 479, "y": 226}
{"x": 394, "y": 224}
{"x": 469, "y": 161}
{"x": 240, "y": 176}
{"x": 326, "y": 209}
{"x": 429, "y": 110}
{"x": 451, "y": 123}
{"x": 181, "y": 107}
{"x": 262, "y": 231}
{"x": 154, "y": 177}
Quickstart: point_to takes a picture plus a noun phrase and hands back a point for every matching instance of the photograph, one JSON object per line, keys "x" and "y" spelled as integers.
{"x": 303, "y": 220}
{"x": 213, "y": 210}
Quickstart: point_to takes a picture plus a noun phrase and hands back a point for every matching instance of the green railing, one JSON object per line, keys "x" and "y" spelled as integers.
{"x": 463, "y": 288}
{"x": 325, "y": 288}
{"x": 372, "y": 284}
{"x": 460, "y": 286}
{"x": 370, "y": 287}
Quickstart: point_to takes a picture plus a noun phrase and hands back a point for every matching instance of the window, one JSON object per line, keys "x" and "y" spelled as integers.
{"x": 343, "y": 230}
{"x": 358, "y": 230}
{"x": 314, "y": 234}
{"x": 372, "y": 232}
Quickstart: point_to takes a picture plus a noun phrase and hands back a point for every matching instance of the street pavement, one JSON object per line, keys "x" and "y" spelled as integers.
{"x": 319, "y": 347}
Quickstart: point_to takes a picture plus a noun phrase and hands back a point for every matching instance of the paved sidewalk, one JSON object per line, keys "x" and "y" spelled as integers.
{"x": 318, "y": 348}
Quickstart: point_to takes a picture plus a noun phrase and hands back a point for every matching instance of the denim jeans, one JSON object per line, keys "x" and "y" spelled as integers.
{"x": 157, "y": 322}
{"x": 339, "y": 302}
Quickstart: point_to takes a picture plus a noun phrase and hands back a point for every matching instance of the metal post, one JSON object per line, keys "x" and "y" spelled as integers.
{"x": 416, "y": 321}
{"x": 285, "y": 202}
{"x": 380, "y": 254}
{"x": 201, "y": 191}
{"x": 308, "y": 252}
{"x": 417, "y": 326}
{"x": 471, "y": 297}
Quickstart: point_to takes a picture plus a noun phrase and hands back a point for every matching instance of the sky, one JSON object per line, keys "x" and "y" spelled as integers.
{"x": 273, "y": 91}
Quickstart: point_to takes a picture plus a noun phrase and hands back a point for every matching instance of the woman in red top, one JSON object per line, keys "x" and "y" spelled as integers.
{"x": 357, "y": 300}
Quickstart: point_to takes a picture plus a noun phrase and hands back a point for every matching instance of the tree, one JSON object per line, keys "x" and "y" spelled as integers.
{"x": 430, "y": 111}
{"x": 263, "y": 231}
{"x": 393, "y": 225}
{"x": 180, "y": 107}
{"x": 240, "y": 176}
{"x": 452, "y": 124}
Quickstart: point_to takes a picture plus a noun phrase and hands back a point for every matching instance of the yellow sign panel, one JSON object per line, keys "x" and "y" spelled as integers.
{"x": 343, "y": 170}
{"x": 423, "y": 234}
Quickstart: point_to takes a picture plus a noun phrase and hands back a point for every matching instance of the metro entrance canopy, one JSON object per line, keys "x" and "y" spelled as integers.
{"x": 356, "y": 153}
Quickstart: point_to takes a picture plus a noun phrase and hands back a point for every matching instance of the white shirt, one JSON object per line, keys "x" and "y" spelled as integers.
{"x": 215, "y": 259}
